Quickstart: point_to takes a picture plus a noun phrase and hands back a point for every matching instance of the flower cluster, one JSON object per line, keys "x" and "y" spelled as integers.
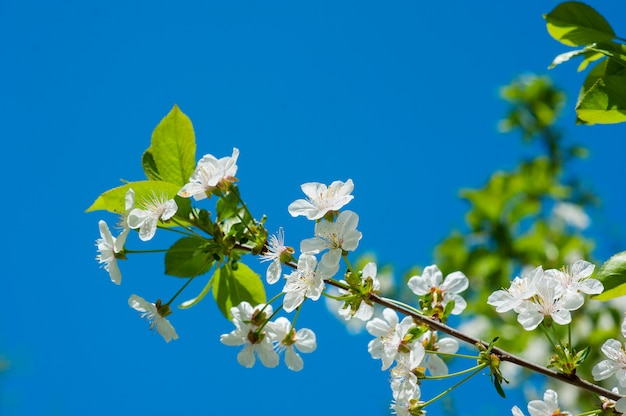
{"x": 265, "y": 339}
{"x": 547, "y": 296}
{"x": 210, "y": 175}
{"x": 409, "y": 348}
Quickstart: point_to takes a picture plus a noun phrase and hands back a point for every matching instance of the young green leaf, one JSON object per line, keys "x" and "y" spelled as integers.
{"x": 577, "y": 24}
{"x": 113, "y": 200}
{"x": 612, "y": 274}
{"x": 172, "y": 152}
{"x": 231, "y": 287}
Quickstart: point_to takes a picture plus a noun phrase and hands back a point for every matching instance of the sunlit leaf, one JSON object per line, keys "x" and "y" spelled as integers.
{"x": 612, "y": 274}
{"x": 604, "y": 102}
{"x": 172, "y": 151}
{"x": 231, "y": 287}
{"x": 577, "y": 24}
{"x": 113, "y": 200}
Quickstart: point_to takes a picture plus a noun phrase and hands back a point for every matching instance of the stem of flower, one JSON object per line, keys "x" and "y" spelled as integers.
{"x": 180, "y": 290}
{"x": 459, "y": 373}
{"x": 476, "y": 369}
{"x": 449, "y": 354}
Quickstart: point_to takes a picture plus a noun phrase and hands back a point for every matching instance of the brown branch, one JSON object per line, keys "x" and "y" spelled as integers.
{"x": 502, "y": 354}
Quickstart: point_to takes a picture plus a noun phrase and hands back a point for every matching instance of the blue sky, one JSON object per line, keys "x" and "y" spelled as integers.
{"x": 401, "y": 97}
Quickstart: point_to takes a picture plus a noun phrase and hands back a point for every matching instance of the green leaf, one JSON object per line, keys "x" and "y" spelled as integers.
{"x": 172, "y": 152}
{"x": 576, "y": 24}
{"x": 604, "y": 102}
{"x": 189, "y": 257}
{"x": 231, "y": 287}
{"x": 612, "y": 274}
{"x": 113, "y": 200}
{"x": 227, "y": 206}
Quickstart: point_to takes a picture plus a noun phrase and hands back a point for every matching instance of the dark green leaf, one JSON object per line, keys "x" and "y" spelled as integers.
{"x": 188, "y": 257}
{"x": 149, "y": 166}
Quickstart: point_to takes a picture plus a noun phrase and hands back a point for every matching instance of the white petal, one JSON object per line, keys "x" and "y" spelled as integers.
{"x": 246, "y": 356}
{"x": 419, "y": 285}
{"x": 305, "y": 340}
{"x": 232, "y": 339}
{"x": 165, "y": 329}
{"x": 455, "y": 283}
{"x": 582, "y": 269}
{"x": 292, "y": 300}
{"x": 293, "y": 360}
{"x": 604, "y": 369}
{"x": 267, "y": 355}
{"x": 612, "y": 348}
{"x": 530, "y": 319}
{"x": 273, "y": 272}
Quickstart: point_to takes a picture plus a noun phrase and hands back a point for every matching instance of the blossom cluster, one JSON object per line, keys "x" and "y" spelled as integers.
{"x": 408, "y": 348}
{"x": 265, "y": 339}
{"x": 210, "y": 175}
{"x": 545, "y": 296}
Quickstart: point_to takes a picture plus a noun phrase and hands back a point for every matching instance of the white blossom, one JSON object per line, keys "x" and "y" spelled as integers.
{"x": 156, "y": 208}
{"x": 305, "y": 282}
{"x": 155, "y": 315}
{"x": 432, "y": 281}
{"x": 322, "y": 199}
{"x": 389, "y": 335}
{"x": 550, "y": 300}
{"x": 291, "y": 341}
{"x": 247, "y": 320}
{"x": 209, "y": 174}
{"x": 549, "y": 406}
{"x": 276, "y": 251}
{"x": 108, "y": 247}
{"x": 335, "y": 236}
{"x": 521, "y": 289}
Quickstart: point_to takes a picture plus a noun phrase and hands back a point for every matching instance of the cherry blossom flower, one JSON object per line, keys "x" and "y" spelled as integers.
{"x": 248, "y": 320}
{"x": 305, "y": 282}
{"x": 404, "y": 381}
{"x": 335, "y": 236}
{"x": 521, "y": 289}
{"x": 155, "y": 314}
{"x": 277, "y": 253}
{"x": 292, "y": 341}
{"x": 156, "y": 208}
{"x": 615, "y": 351}
{"x": 549, "y": 406}
{"x": 109, "y": 247}
{"x": 389, "y": 335}
{"x": 550, "y": 300}
{"x": 322, "y": 199}
{"x": 576, "y": 280}
{"x": 432, "y": 281}
{"x": 210, "y": 174}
